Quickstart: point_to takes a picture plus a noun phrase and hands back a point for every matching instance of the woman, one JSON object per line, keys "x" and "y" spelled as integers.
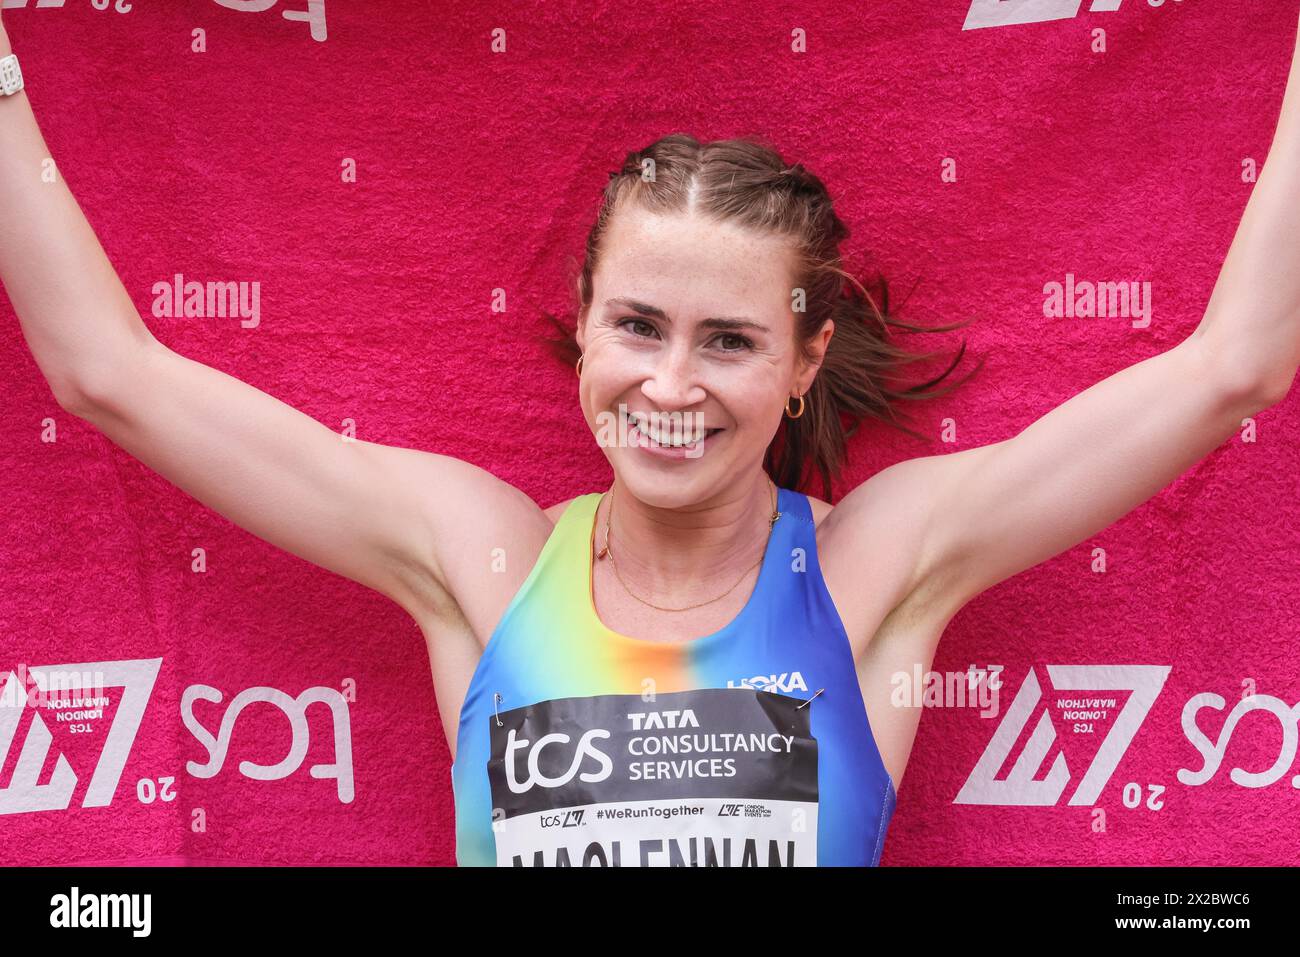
{"x": 692, "y": 667}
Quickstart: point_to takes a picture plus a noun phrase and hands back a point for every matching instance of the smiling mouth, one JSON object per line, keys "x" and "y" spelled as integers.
{"x": 666, "y": 433}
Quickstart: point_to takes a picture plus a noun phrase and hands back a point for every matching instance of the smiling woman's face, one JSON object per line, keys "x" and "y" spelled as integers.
{"x": 693, "y": 317}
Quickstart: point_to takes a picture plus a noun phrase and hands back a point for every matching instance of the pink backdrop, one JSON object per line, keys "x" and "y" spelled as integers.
{"x": 478, "y": 171}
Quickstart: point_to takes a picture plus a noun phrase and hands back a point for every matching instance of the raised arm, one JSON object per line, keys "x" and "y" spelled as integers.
{"x": 386, "y": 517}
{"x": 993, "y": 511}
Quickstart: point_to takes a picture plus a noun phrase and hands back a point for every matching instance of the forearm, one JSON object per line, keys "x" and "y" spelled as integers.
{"x": 76, "y": 317}
{"x": 1252, "y": 320}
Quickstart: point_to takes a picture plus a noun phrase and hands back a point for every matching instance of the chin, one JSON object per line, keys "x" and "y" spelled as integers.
{"x": 672, "y": 485}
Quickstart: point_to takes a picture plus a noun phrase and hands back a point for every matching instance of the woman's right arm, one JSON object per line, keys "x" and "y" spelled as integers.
{"x": 394, "y": 519}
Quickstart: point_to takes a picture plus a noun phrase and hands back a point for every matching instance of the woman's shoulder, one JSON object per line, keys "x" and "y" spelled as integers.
{"x": 820, "y": 509}
{"x": 556, "y": 510}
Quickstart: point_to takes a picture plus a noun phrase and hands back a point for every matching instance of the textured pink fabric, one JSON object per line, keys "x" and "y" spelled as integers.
{"x": 479, "y": 171}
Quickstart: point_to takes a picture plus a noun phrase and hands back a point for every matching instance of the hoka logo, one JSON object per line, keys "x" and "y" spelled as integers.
{"x": 785, "y": 682}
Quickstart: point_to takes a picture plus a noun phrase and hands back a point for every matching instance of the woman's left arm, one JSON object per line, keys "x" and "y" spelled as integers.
{"x": 996, "y": 510}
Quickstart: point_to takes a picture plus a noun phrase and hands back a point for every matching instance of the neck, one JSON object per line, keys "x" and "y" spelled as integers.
{"x": 676, "y": 555}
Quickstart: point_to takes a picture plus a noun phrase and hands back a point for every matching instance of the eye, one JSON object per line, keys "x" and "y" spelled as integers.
{"x": 634, "y": 322}
{"x": 739, "y": 343}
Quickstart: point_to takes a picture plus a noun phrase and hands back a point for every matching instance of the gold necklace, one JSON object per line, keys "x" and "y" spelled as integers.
{"x": 606, "y": 552}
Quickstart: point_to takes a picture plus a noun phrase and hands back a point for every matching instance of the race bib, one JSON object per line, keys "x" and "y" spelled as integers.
{"x": 716, "y": 777}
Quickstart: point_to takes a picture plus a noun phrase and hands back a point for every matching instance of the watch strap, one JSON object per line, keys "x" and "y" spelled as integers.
{"x": 11, "y": 77}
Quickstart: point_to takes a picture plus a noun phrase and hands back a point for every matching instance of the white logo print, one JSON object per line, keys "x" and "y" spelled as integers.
{"x": 1213, "y": 752}
{"x": 784, "y": 682}
{"x": 23, "y": 794}
{"x": 536, "y": 777}
{"x": 77, "y": 695}
{"x": 295, "y": 709}
{"x": 658, "y": 720}
{"x": 1004, "y": 13}
{"x": 1020, "y": 788}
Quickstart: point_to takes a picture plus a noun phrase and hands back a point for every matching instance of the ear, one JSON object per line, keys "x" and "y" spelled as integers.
{"x": 581, "y": 333}
{"x": 820, "y": 343}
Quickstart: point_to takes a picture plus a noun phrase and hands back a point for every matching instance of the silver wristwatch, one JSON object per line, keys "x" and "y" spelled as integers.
{"x": 11, "y": 78}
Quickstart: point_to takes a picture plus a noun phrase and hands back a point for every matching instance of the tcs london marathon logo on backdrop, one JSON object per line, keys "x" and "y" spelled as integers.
{"x": 96, "y": 709}
{"x": 1090, "y": 714}
{"x": 1006, "y": 13}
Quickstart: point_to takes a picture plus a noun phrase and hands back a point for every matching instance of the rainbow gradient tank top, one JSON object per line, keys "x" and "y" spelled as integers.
{"x": 749, "y": 747}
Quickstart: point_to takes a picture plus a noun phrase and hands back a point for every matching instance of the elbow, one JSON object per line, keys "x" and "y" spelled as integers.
{"x": 84, "y": 394}
{"x": 84, "y": 398}
{"x": 93, "y": 390}
{"x": 1257, "y": 393}
{"x": 72, "y": 397}
{"x": 1249, "y": 385}
{"x": 1277, "y": 389}
{"x": 1249, "y": 376}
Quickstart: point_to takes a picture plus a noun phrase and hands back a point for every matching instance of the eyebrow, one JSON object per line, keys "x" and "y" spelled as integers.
{"x": 713, "y": 322}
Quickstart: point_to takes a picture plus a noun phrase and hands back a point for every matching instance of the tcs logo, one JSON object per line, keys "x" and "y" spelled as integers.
{"x": 533, "y": 775}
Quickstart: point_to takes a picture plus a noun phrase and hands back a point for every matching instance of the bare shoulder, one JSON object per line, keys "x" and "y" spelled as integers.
{"x": 820, "y": 508}
{"x": 877, "y": 547}
{"x": 481, "y": 533}
{"x": 555, "y": 511}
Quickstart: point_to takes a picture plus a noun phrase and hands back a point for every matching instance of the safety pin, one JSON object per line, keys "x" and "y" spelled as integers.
{"x": 496, "y": 697}
{"x": 809, "y": 701}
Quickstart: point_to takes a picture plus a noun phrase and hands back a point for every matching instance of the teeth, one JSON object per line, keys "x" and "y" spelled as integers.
{"x": 665, "y": 439}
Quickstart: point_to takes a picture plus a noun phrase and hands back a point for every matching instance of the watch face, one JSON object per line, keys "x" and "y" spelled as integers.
{"x": 11, "y": 78}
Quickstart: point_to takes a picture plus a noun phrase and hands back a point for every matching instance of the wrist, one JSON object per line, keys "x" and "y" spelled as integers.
{"x": 11, "y": 79}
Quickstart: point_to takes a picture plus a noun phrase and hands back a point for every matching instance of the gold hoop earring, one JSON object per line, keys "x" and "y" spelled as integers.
{"x": 579, "y": 366}
{"x": 794, "y": 415}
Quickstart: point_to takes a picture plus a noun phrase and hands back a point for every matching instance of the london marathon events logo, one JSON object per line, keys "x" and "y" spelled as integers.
{"x": 1085, "y": 700}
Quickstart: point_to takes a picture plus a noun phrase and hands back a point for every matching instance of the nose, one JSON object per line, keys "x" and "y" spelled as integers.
{"x": 672, "y": 384}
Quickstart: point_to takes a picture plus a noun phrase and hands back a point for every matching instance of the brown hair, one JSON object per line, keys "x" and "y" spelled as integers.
{"x": 747, "y": 181}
